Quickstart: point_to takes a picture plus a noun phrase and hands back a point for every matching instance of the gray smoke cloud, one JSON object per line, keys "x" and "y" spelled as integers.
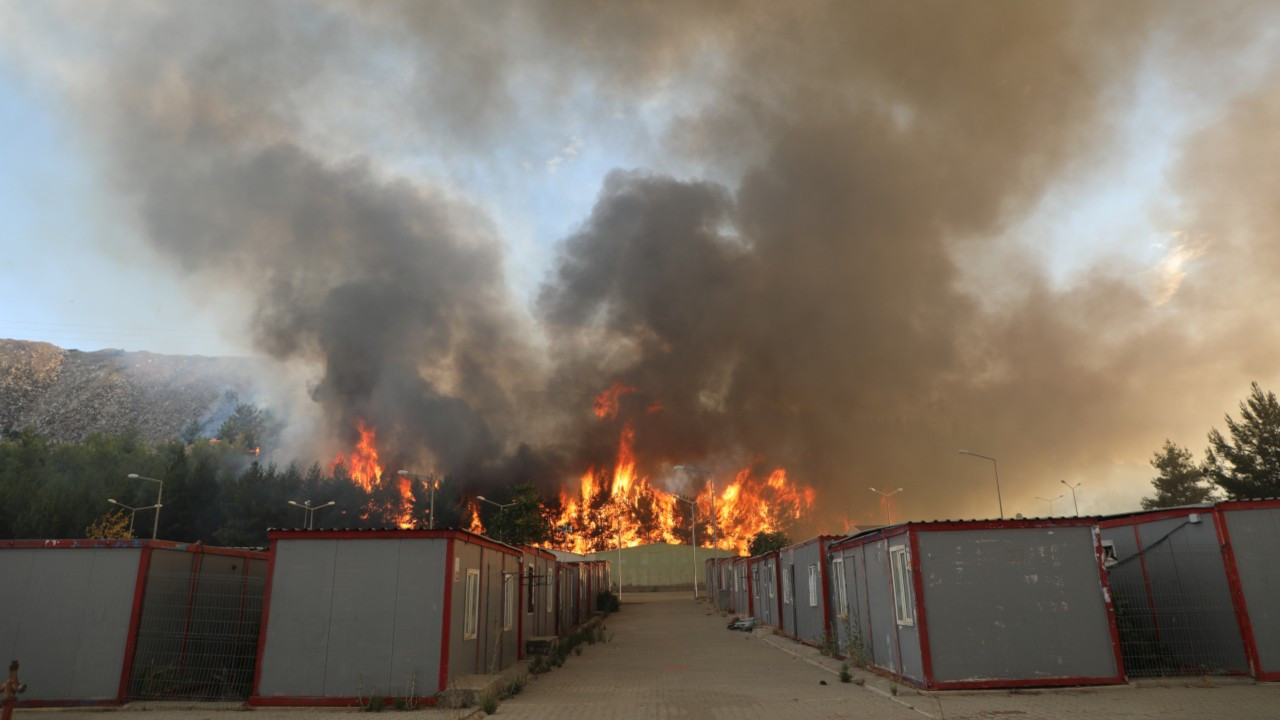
{"x": 812, "y": 269}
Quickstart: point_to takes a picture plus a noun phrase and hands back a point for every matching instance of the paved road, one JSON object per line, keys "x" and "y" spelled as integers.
{"x": 673, "y": 658}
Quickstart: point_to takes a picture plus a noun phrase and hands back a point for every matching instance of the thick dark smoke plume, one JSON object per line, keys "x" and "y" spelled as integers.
{"x": 834, "y": 293}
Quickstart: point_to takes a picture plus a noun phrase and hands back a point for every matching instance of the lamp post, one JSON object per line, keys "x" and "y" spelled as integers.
{"x": 155, "y": 528}
{"x": 995, "y": 466}
{"x": 888, "y": 508}
{"x": 432, "y": 481}
{"x": 132, "y": 511}
{"x": 498, "y": 504}
{"x": 715, "y": 530}
{"x": 1073, "y": 495}
{"x": 309, "y": 511}
{"x": 693, "y": 528}
{"x": 1050, "y": 501}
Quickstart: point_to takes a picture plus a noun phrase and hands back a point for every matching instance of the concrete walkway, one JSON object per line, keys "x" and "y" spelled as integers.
{"x": 673, "y": 658}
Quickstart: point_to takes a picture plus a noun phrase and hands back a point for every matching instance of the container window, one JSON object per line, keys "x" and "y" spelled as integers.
{"x": 786, "y": 586}
{"x": 842, "y": 593}
{"x": 508, "y": 600}
{"x": 899, "y": 560}
{"x": 813, "y": 586}
{"x": 472, "y": 605}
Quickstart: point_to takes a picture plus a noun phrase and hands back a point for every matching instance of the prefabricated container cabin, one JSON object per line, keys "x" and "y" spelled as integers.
{"x": 805, "y": 613}
{"x": 723, "y": 582}
{"x": 766, "y": 599}
{"x": 1195, "y": 588}
{"x": 538, "y": 593}
{"x": 741, "y": 598}
{"x": 978, "y": 604}
{"x": 100, "y": 622}
{"x": 394, "y": 613}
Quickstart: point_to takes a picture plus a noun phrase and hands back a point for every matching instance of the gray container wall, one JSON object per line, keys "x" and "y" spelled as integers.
{"x": 494, "y": 647}
{"x": 805, "y": 619}
{"x": 764, "y": 593}
{"x": 770, "y": 593}
{"x": 1187, "y": 622}
{"x": 1255, "y": 537}
{"x": 64, "y": 615}
{"x": 885, "y": 644}
{"x": 567, "y": 597}
{"x": 355, "y": 618}
{"x": 742, "y": 587}
{"x": 1015, "y": 604}
{"x": 539, "y": 615}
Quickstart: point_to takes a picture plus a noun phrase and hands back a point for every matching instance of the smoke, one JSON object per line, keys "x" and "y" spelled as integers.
{"x": 817, "y": 264}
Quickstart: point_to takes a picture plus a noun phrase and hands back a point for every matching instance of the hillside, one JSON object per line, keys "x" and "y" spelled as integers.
{"x": 69, "y": 395}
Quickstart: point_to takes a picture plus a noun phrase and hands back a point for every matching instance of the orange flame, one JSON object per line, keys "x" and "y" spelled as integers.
{"x": 363, "y": 467}
{"x": 476, "y": 526}
{"x": 625, "y": 509}
{"x": 606, "y": 403}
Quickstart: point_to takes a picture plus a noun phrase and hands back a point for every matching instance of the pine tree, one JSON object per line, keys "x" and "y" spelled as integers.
{"x": 1248, "y": 466}
{"x": 1180, "y": 482}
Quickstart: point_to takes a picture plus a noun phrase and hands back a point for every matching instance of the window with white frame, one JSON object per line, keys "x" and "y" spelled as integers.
{"x": 508, "y": 600}
{"x": 842, "y": 593}
{"x": 900, "y": 562}
{"x": 786, "y": 585}
{"x": 813, "y": 586}
{"x": 530, "y": 591}
{"x": 769, "y": 582}
{"x": 471, "y": 606}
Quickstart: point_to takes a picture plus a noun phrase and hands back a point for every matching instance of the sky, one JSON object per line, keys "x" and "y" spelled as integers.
{"x": 844, "y": 238}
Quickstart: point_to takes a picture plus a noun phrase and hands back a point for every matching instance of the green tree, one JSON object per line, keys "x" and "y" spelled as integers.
{"x": 765, "y": 542}
{"x": 1248, "y": 465}
{"x": 1180, "y": 482}
{"x": 249, "y": 428}
{"x": 523, "y": 522}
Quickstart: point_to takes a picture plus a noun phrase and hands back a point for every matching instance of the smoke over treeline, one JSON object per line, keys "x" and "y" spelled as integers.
{"x": 820, "y": 256}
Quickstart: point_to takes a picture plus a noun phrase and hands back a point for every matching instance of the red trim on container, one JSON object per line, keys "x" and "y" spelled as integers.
{"x": 264, "y": 623}
{"x": 32, "y": 704}
{"x": 995, "y": 684}
{"x": 824, "y": 557}
{"x": 296, "y": 701}
{"x": 135, "y": 620}
{"x": 82, "y": 544}
{"x": 447, "y": 616}
{"x": 1146, "y": 582}
{"x": 1248, "y": 504}
{"x": 1112, "y": 626}
{"x": 1237, "y": 592}
{"x": 395, "y": 534}
{"x": 922, "y": 620}
{"x": 521, "y": 597}
{"x": 1153, "y": 516}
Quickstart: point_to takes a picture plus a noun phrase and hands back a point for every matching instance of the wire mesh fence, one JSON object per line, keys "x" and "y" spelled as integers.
{"x": 1174, "y": 615}
{"x": 197, "y": 637}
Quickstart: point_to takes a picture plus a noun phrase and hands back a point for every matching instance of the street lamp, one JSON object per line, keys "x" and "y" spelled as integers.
{"x": 500, "y": 505}
{"x": 433, "y": 482}
{"x": 309, "y": 511}
{"x": 155, "y": 529}
{"x": 1050, "y": 501}
{"x": 1073, "y": 495}
{"x": 995, "y": 466}
{"x": 132, "y": 511}
{"x": 715, "y": 530}
{"x": 888, "y": 507}
{"x": 693, "y": 528}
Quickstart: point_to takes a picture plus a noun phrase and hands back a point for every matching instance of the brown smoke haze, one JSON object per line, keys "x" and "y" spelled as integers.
{"x": 826, "y": 257}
